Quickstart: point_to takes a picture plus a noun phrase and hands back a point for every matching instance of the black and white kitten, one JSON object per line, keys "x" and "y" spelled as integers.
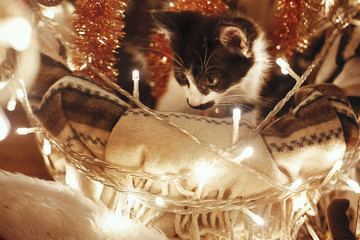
{"x": 219, "y": 63}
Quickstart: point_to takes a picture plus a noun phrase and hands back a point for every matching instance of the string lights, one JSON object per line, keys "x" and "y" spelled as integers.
{"x": 296, "y": 184}
{"x": 299, "y": 201}
{"x": 256, "y": 218}
{"x": 336, "y": 167}
{"x": 236, "y": 122}
{"x": 15, "y": 37}
{"x": 46, "y": 147}
{"x": 11, "y": 103}
{"x": 15, "y": 32}
{"x": 285, "y": 69}
{"x": 4, "y": 125}
{"x": 246, "y": 153}
{"x": 354, "y": 185}
{"x": 136, "y": 78}
{"x": 202, "y": 172}
{"x": 25, "y": 131}
{"x": 159, "y": 201}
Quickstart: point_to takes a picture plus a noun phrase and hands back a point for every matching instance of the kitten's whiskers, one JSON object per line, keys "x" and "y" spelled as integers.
{"x": 177, "y": 55}
{"x": 170, "y": 56}
{"x": 241, "y": 98}
{"x": 201, "y": 61}
{"x": 216, "y": 67}
{"x": 208, "y": 60}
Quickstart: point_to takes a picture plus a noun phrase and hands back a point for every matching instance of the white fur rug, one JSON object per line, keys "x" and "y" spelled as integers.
{"x": 31, "y": 208}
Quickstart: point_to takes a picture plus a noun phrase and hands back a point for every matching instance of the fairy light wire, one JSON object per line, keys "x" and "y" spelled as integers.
{"x": 222, "y": 153}
{"x": 90, "y": 168}
{"x": 296, "y": 87}
{"x": 227, "y": 153}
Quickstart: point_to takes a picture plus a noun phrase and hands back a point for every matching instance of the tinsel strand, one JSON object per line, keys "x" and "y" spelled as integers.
{"x": 98, "y": 27}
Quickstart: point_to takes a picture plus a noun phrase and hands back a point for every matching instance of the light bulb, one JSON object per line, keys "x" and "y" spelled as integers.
{"x": 203, "y": 171}
{"x": 246, "y": 153}
{"x": 296, "y": 184}
{"x": 236, "y": 121}
{"x": 16, "y": 33}
{"x": 4, "y": 125}
{"x": 46, "y": 147}
{"x": 136, "y": 78}
{"x": 159, "y": 201}
{"x": 354, "y": 185}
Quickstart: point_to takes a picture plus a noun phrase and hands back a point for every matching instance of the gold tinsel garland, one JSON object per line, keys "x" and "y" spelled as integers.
{"x": 160, "y": 57}
{"x": 296, "y": 21}
{"x": 98, "y": 28}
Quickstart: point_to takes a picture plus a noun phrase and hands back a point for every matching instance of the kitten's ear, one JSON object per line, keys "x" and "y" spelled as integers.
{"x": 174, "y": 22}
{"x": 165, "y": 19}
{"x": 235, "y": 40}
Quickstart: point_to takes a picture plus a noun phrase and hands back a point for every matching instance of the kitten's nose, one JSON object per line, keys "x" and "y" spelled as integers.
{"x": 202, "y": 106}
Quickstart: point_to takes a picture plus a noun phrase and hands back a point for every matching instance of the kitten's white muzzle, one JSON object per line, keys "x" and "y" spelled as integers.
{"x": 203, "y": 106}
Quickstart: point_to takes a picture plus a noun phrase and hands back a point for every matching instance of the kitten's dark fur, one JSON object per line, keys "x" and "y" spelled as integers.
{"x": 219, "y": 62}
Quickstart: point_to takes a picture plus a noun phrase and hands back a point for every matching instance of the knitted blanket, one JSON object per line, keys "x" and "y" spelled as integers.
{"x": 321, "y": 127}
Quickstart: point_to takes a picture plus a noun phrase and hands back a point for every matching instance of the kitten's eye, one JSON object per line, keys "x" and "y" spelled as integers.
{"x": 211, "y": 81}
{"x": 181, "y": 78}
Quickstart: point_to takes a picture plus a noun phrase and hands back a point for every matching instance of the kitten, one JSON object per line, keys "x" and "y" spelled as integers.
{"x": 219, "y": 63}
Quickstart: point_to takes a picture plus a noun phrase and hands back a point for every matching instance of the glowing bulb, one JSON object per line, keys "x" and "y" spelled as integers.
{"x": 20, "y": 93}
{"x": 296, "y": 184}
{"x": 246, "y": 153}
{"x": 49, "y": 12}
{"x": 22, "y": 131}
{"x": 15, "y": 32}
{"x": 46, "y": 147}
{"x": 164, "y": 59}
{"x": 159, "y": 201}
{"x": 11, "y": 104}
{"x": 203, "y": 172}
{"x": 3, "y": 84}
{"x": 136, "y": 78}
{"x": 256, "y": 218}
{"x": 328, "y": 4}
{"x": 337, "y": 165}
{"x": 236, "y": 121}
{"x": 83, "y": 66}
{"x": 334, "y": 169}
{"x": 4, "y": 125}
{"x": 135, "y": 75}
{"x": 354, "y": 185}
{"x": 237, "y": 114}
{"x": 282, "y": 63}
{"x": 285, "y": 69}
{"x": 172, "y": 4}
{"x": 299, "y": 202}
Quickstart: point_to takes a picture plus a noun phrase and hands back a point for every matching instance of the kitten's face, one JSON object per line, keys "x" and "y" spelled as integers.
{"x": 212, "y": 55}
